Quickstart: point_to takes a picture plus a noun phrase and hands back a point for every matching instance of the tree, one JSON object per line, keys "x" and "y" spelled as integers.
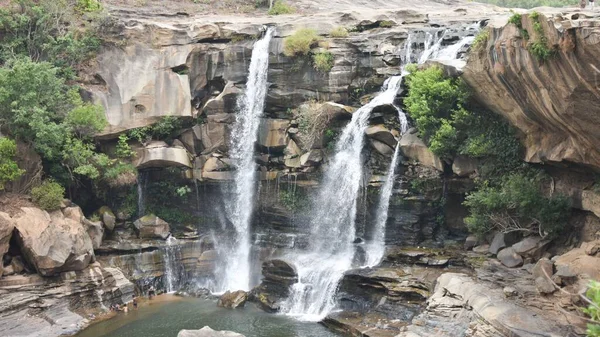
{"x": 9, "y": 170}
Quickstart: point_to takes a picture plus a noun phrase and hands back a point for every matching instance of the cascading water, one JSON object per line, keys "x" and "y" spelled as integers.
{"x": 172, "y": 267}
{"x": 331, "y": 249}
{"x": 141, "y": 189}
{"x": 236, "y": 273}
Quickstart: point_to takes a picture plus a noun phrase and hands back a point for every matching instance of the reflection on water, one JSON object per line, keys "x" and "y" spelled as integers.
{"x": 166, "y": 315}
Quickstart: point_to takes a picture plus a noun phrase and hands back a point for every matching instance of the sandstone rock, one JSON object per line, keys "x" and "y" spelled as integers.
{"x": 52, "y": 243}
{"x": 225, "y": 102}
{"x": 159, "y": 154}
{"x": 272, "y": 134}
{"x": 471, "y": 242}
{"x": 278, "y": 277}
{"x": 108, "y": 217}
{"x": 8, "y": 270}
{"x": 482, "y": 249}
{"x": 95, "y": 230}
{"x": 218, "y": 176}
{"x": 497, "y": 243}
{"x": 192, "y": 143}
{"x": 207, "y": 332}
{"x": 292, "y": 150}
{"x": 311, "y": 158}
{"x": 510, "y": 258}
{"x": 559, "y": 123}
{"x": 544, "y": 285}
{"x": 591, "y": 248}
{"x": 214, "y": 136}
{"x": 510, "y": 291}
{"x": 152, "y": 227}
{"x": 580, "y": 263}
{"x": 74, "y": 213}
{"x": 6, "y": 229}
{"x": 382, "y": 134}
{"x": 414, "y": 148}
{"x": 206, "y": 262}
{"x": 542, "y": 273}
{"x": 531, "y": 246}
{"x": 17, "y": 264}
{"x": 464, "y": 166}
{"x": 214, "y": 164}
{"x": 233, "y": 299}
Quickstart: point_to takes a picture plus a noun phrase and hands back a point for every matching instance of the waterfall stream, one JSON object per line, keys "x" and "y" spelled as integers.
{"x": 236, "y": 273}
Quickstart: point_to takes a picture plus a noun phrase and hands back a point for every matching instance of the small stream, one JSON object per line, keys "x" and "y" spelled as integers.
{"x": 165, "y": 315}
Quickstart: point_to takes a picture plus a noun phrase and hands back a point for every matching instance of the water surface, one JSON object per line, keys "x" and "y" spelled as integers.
{"x": 164, "y": 317}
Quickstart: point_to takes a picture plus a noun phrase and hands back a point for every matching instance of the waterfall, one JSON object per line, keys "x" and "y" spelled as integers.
{"x": 141, "y": 189}
{"x": 331, "y": 251}
{"x": 250, "y": 107}
{"x": 451, "y": 52}
{"x": 172, "y": 266}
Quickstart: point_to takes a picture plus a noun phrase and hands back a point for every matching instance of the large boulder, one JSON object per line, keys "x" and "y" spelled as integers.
{"x": 278, "y": 277}
{"x": 312, "y": 158}
{"x": 382, "y": 134}
{"x": 95, "y": 230}
{"x": 108, "y": 217}
{"x": 6, "y": 229}
{"x": 272, "y": 134}
{"x": 51, "y": 242}
{"x": 542, "y": 274}
{"x": 532, "y": 247}
{"x": 232, "y": 300}
{"x": 510, "y": 258}
{"x": 464, "y": 166}
{"x": 159, "y": 154}
{"x": 213, "y": 135}
{"x": 582, "y": 263}
{"x": 414, "y": 148}
{"x": 225, "y": 102}
{"x": 152, "y": 227}
{"x": 207, "y": 332}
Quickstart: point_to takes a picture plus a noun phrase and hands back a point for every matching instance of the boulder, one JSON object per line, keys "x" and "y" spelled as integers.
{"x": 497, "y": 243}
{"x": 17, "y": 264}
{"x": 207, "y": 332}
{"x": 214, "y": 136}
{"x": 152, "y": 227}
{"x": 108, "y": 217}
{"x": 414, "y": 148}
{"x": 471, "y": 242}
{"x": 510, "y": 258}
{"x": 544, "y": 285}
{"x": 482, "y": 249}
{"x": 382, "y": 134}
{"x": 272, "y": 134}
{"x": 278, "y": 277}
{"x": 233, "y": 299}
{"x": 214, "y": 164}
{"x": 74, "y": 213}
{"x": 225, "y": 102}
{"x": 336, "y": 111}
{"x": 52, "y": 243}
{"x": 464, "y": 166}
{"x": 159, "y": 154}
{"x": 510, "y": 291}
{"x": 6, "y": 229}
{"x": 532, "y": 247}
{"x": 95, "y": 230}
{"x": 311, "y": 158}
{"x": 583, "y": 265}
{"x": 292, "y": 150}
{"x": 542, "y": 274}
{"x": 382, "y": 148}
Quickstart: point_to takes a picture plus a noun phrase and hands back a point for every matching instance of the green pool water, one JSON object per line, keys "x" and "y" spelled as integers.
{"x": 164, "y": 318}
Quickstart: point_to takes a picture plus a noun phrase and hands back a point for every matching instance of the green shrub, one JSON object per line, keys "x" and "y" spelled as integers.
{"x": 531, "y": 3}
{"x": 301, "y": 42}
{"x": 9, "y": 170}
{"x": 323, "y": 61}
{"x": 481, "y": 40}
{"x": 593, "y": 309}
{"x": 516, "y": 19}
{"x": 339, "y": 32}
{"x": 281, "y": 7}
{"x": 386, "y": 24}
{"x": 517, "y": 205}
{"x": 164, "y": 129}
{"x": 49, "y": 195}
{"x": 539, "y": 47}
{"x": 123, "y": 149}
{"x": 88, "y": 5}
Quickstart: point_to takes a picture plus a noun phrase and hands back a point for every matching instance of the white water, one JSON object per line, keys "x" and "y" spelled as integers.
{"x": 236, "y": 275}
{"x": 331, "y": 249}
{"x": 451, "y": 52}
{"x": 170, "y": 261}
{"x": 141, "y": 190}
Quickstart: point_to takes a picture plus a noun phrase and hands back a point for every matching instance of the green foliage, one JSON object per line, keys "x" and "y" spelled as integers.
{"x": 301, "y": 42}
{"x": 516, "y": 205}
{"x": 516, "y": 19}
{"x": 88, "y": 5}
{"x": 47, "y": 30}
{"x": 49, "y": 195}
{"x": 9, "y": 170}
{"x": 539, "y": 47}
{"x": 323, "y": 61}
{"x": 168, "y": 198}
{"x": 531, "y": 3}
{"x": 281, "y": 7}
{"x": 84, "y": 119}
{"x": 164, "y": 129}
{"x": 123, "y": 149}
{"x": 386, "y": 24}
{"x": 339, "y": 32}
{"x": 593, "y": 309}
{"x": 293, "y": 200}
{"x": 481, "y": 40}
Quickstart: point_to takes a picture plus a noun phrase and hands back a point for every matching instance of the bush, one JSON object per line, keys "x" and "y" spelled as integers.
{"x": 593, "y": 309}
{"x": 323, "y": 61}
{"x": 9, "y": 170}
{"x": 88, "y": 5}
{"x": 281, "y": 7}
{"x": 481, "y": 40}
{"x": 539, "y": 47}
{"x": 339, "y": 32}
{"x": 164, "y": 129}
{"x": 123, "y": 149}
{"x": 300, "y": 42}
{"x": 516, "y": 19}
{"x": 518, "y": 205}
{"x": 49, "y": 195}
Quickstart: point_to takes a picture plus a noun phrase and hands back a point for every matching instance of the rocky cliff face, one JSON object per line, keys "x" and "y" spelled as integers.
{"x": 554, "y": 102}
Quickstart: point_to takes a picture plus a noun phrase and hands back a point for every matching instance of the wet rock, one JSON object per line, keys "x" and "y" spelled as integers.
{"x": 233, "y": 299}
{"x": 510, "y": 258}
{"x": 532, "y": 246}
{"x": 278, "y": 277}
{"x": 382, "y": 134}
{"x": 52, "y": 243}
{"x": 108, "y": 217}
{"x": 382, "y": 148}
{"x": 213, "y": 136}
{"x": 207, "y": 332}
{"x": 311, "y": 158}
{"x": 272, "y": 134}
{"x": 497, "y": 243}
{"x": 6, "y": 229}
{"x": 152, "y": 227}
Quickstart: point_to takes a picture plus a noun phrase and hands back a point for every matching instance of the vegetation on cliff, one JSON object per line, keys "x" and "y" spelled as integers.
{"x": 531, "y": 3}
{"x": 508, "y": 196}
